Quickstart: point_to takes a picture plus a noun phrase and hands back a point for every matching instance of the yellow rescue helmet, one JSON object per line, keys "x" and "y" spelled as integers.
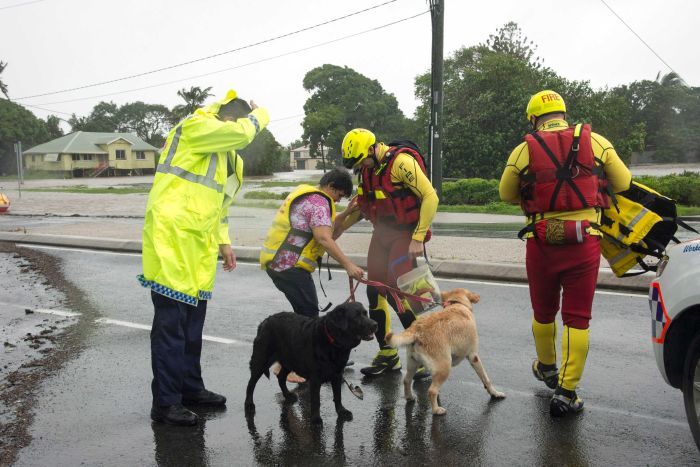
{"x": 356, "y": 146}
{"x": 543, "y": 103}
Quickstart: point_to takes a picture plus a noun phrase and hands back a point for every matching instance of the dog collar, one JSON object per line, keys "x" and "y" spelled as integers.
{"x": 328, "y": 335}
{"x": 450, "y": 302}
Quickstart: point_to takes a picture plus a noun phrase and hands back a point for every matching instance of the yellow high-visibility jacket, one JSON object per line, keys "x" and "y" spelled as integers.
{"x": 198, "y": 175}
{"x": 281, "y": 228}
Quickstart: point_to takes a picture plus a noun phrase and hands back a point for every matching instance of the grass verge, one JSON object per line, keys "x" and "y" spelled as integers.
{"x": 84, "y": 189}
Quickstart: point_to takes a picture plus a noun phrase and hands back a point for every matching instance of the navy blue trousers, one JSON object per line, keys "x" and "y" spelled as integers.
{"x": 176, "y": 347}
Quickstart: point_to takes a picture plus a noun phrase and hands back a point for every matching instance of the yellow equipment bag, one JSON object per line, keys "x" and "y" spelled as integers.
{"x": 640, "y": 223}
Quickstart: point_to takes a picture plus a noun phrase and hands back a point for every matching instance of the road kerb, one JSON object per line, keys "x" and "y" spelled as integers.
{"x": 508, "y": 272}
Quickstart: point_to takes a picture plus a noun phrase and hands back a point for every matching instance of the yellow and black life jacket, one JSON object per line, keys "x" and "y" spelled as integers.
{"x": 278, "y": 236}
{"x": 642, "y": 223}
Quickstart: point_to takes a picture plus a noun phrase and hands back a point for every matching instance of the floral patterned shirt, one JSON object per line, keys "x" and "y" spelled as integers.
{"x": 305, "y": 214}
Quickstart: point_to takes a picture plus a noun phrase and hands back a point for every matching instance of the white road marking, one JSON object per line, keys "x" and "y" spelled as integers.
{"x": 68, "y": 314}
{"x": 525, "y": 286}
{"x": 587, "y": 407}
{"x": 458, "y": 281}
{"x": 145, "y": 327}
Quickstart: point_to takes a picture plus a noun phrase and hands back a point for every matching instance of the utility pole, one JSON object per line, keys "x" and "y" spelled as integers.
{"x": 18, "y": 152}
{"x": 437, "y": 14}
{"x": 323, "y": 159}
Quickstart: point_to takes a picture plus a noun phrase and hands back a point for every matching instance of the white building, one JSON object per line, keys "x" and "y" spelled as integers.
{"x": 300, "y": 159}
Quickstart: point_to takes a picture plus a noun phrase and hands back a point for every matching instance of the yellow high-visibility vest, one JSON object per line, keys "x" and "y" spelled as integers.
{"x": 281, "y": 229}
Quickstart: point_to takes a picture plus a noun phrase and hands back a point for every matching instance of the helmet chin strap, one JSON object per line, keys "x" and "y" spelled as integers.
{"x": 533, "y": 122}
{"x": 374, "y": 155}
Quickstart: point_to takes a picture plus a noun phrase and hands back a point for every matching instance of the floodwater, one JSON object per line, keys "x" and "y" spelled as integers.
{"x": 663, "y": 169}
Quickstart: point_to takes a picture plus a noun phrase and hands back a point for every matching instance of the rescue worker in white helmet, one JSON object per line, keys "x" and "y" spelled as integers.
{"x": 562, "y": 176}
{"x": 186, "y": 226}
{"x": 395, "y": 194}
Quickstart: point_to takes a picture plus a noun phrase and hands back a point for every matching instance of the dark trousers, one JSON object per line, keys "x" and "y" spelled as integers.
{"x": 176, "y": 347}
{"x": 299, "y": 288}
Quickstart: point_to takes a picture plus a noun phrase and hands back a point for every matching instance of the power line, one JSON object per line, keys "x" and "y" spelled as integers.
{"x": 255, "y": 62}
{"x": 37, "y": 107}
{"x": 640, "y": 38}
{"x": 189, "y": 62}
{"x": 289, "y": 117}
{"x": 20, "y": 4}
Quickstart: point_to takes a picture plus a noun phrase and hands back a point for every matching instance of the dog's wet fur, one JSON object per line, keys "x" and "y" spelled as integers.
{"x": 440, "y": 341}
{"x": 314, "y": 348}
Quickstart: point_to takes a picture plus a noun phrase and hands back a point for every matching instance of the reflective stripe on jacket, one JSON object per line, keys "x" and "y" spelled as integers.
{"x": 627, "y": 228}
{"x": 278, "y": 235}
{"x": 186, "y": 220}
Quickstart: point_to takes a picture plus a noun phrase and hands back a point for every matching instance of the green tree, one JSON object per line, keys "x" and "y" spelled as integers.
{"x": 342, "y": 99}
{"x": 18, "y": 124}
{"x": 149, "y": 121}
{"x": 53, "y": 127}
{"x": 104, "y": 117}
{"x": 264, "y": 155}
{"x": 296, "y": 144}
{"x": 3, "y": 86}
{"x": 194, "y": 98}
{"x": 667, "y": 106}
{"x": 486, "y": 89}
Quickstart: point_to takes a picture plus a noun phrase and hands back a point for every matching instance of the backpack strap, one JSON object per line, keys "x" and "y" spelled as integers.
{"x": 563, "y": 171}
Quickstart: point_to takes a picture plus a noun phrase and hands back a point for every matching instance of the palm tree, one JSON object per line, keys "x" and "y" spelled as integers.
{"x": 194, "y": 98}
{"x": 670, "y": 80}
{"x": 3, "y": 86}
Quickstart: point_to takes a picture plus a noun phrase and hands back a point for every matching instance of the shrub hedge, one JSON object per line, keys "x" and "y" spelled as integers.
{"x": 684, "y": 188}
{"x": 265, "y": 195}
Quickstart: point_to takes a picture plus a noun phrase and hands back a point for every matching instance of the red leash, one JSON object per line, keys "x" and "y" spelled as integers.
{"x": 395, "y": 293}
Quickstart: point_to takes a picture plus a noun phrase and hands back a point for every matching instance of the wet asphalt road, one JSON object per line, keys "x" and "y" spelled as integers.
{"x": 95, "y": 411}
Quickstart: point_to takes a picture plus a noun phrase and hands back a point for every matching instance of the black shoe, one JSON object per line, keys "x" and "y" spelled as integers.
{"x": 563, "y": 402}
{"x": 421, "y": 373}
{"x": 204, "y": 397}
{"x": 549, "y": 374}
{"x": 174, "y": 415}
{"x": 382, "y": 364}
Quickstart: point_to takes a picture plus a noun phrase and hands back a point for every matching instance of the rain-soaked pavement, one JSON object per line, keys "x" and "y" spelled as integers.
{"x": 94, "y": 411}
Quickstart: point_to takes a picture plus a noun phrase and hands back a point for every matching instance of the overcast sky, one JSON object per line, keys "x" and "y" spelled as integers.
{"x": 53, "y": 45}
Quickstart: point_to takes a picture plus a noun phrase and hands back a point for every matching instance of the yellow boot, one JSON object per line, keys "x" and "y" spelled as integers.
{"x": 544, "y": 367}
{"x": 387, "y": 359}
{"x": 574, "y": 351}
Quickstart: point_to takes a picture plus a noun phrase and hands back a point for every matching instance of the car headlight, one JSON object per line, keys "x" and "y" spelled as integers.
{"x": 661, "y": 266}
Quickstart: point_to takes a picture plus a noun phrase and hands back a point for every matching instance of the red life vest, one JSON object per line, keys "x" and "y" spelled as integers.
{"x": 382, "y": 200}
{"x": 563, "y": 173}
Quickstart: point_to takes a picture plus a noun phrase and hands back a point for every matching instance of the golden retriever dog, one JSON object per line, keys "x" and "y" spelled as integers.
{"x": 440, "y": 341}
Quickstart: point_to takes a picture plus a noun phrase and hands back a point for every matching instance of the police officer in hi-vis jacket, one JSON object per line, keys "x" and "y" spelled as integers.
{"x": 185, "y": 227}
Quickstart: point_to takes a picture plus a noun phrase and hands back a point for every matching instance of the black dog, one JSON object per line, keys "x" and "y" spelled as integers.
{"x": 315, "y": 348}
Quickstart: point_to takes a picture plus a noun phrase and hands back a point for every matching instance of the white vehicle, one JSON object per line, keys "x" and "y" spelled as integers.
{"x": 674, "y": 299}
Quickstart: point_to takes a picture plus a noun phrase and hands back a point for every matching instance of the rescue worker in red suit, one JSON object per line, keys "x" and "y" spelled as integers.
{"x": 562, "y": 176}
{"x": 395, "y": 194}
